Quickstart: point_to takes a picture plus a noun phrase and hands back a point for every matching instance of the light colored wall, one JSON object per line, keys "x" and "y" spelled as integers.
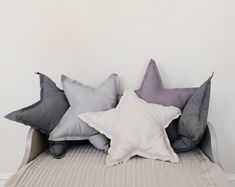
{"x": 88, "y": 40}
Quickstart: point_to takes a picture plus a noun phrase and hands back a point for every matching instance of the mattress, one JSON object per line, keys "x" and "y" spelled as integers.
{"x": 84, "y": 166}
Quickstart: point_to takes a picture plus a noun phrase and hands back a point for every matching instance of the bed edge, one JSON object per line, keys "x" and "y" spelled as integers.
{"x": 37, "y": 142}
{"x": 208, "y": 145}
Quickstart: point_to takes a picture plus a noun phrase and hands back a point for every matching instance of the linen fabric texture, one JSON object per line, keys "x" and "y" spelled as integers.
{"x": 135, "y": 127}
{"x": 46, "y": 113}
{"x": 153, "y": 91}
{"x": 83, "y": 98}
{"x": 193, "y": 122}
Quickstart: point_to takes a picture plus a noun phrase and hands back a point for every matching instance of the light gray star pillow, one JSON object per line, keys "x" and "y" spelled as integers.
{"x": 83, "y": 98}
{"x": 135, "y": 127}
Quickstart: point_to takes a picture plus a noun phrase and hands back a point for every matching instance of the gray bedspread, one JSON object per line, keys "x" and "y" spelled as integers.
{"x": 84, "y": 166}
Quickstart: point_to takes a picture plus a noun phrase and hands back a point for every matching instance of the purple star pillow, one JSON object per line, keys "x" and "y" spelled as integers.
{"x": 153, "y": 91}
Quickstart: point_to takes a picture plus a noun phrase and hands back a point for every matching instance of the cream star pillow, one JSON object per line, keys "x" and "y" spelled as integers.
{"x": 135, "y": 127}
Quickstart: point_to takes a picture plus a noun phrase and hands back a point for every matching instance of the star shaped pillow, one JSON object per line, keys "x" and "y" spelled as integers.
{"x": 193, "y": 122}
{"x": 135, "y": 127}
{"x": 153, "y": 91}
{"x": 46, "y": 113}
{"x": 83, "y": 98}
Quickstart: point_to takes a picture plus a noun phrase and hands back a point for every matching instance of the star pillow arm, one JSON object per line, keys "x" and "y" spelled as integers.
{"x": 135, "y": 127}
{"x": 42, "y": 115}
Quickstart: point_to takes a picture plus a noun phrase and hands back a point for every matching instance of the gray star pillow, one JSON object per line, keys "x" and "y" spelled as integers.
{"x": 46, "y": 113}
{"x": 193, "y": 122}
{"x": 83, "y": 98}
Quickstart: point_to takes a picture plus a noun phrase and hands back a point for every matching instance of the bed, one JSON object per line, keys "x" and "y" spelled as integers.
{"x": 84, "y": 166}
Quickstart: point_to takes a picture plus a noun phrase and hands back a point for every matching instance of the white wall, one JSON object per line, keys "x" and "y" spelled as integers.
{"x": 88, "y": 40}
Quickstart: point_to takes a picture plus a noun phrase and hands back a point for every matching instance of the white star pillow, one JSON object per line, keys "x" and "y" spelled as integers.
{"x": 135, "y": 127}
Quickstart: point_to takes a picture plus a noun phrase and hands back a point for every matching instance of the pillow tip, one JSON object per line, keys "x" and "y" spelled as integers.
{"x": 63, "y": 77}
{"x": 114, "y": 74}
{"x": 212, "y": 75}
{"x": 39, "y": 73}
{"x": 152, "y": 61}
{"x": 7, "y": 116}
{"x": 10, "y": 116}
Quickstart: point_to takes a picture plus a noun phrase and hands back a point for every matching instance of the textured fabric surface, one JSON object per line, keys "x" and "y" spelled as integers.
{"x": 193, "y": 122}
{"x": 83, "y": 98}
{"x": 135, "y": 127}
{"x": 84, "y": 166}
{"x": 153, "y": 91}
{"x": 46, "y": 113}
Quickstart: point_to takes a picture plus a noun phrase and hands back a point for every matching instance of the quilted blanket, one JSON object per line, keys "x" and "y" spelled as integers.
{"x": 84, "y": 166}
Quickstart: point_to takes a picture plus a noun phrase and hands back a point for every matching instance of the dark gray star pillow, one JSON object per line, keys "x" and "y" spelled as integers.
{"x": 193, "y": 121}
{"x": 46, "y": 113}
